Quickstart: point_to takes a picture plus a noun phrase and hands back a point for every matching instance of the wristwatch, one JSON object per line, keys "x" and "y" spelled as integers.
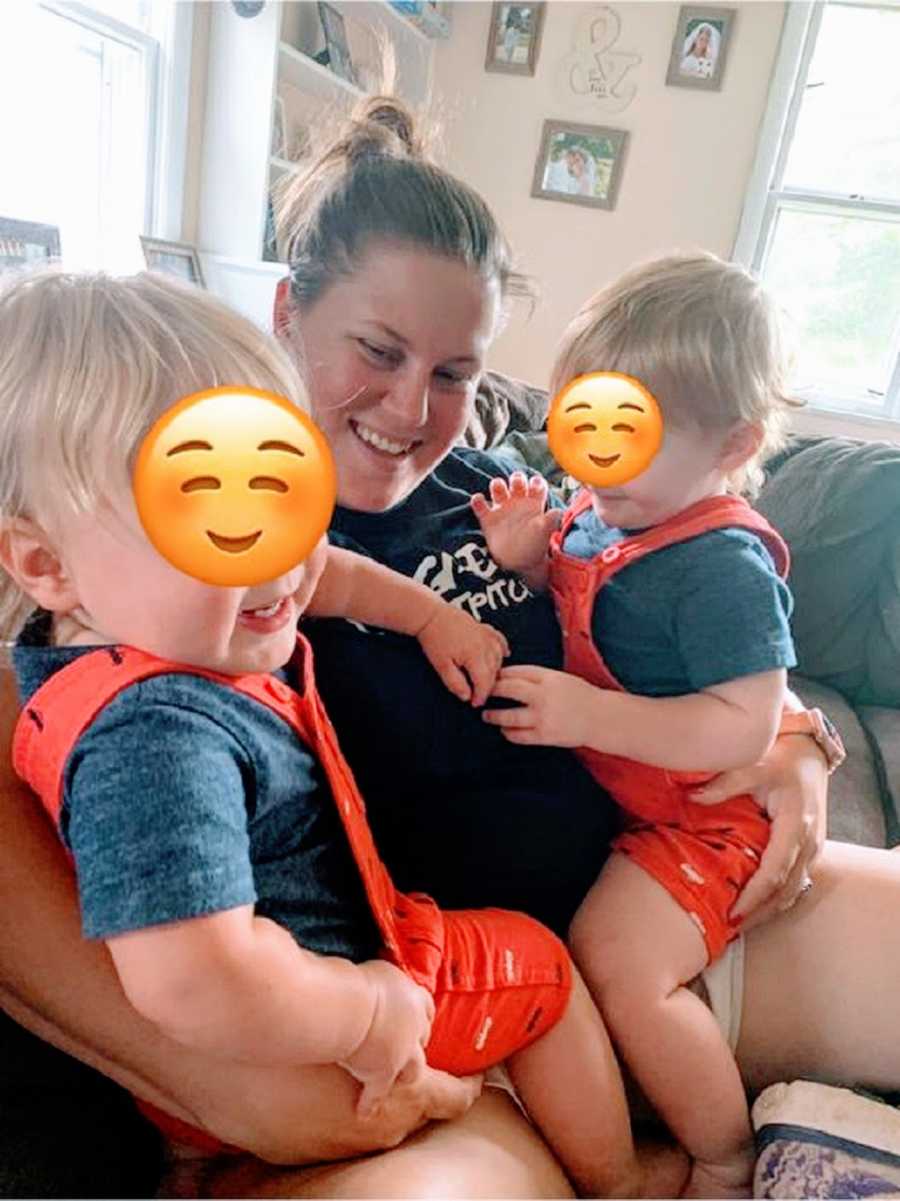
{"x": 821, "y": 729}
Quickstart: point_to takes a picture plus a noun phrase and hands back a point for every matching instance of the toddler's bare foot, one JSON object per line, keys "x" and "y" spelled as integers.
{"x": 732, "y": 1178}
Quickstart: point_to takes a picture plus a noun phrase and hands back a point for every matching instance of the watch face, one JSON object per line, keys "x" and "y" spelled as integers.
{"x": 248, "y": 8}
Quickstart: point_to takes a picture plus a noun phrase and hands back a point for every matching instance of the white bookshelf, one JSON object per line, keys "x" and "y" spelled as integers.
{"x": 250, "y": 63}
{"x": 301, "y": 71}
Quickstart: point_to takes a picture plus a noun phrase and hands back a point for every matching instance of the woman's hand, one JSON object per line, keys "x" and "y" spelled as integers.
{"x": 432, "y": 1096}
{"x": 791, "y": 784}
{"x": 461, "y": 649}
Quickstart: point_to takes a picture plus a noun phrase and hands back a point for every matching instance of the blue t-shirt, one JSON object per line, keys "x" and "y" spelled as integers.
{"x": 706, "y": 610}
{"x": 457, "y": 811}
{"x": 185, "y": 797}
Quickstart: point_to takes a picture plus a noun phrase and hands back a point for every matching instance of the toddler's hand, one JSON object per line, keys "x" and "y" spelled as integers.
{"x": 555, "y": 708}
{"x": 458, "y": 646}
{"x": 393, "y": 1048}
{"x": 517, "y": 524}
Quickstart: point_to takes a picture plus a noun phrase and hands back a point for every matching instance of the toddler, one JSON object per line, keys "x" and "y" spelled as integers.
{"x": 670, "y": 593}
{"x": 173, "y": 731}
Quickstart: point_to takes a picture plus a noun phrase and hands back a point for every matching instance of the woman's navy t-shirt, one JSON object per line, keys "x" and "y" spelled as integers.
{"x": 457, "y": 811}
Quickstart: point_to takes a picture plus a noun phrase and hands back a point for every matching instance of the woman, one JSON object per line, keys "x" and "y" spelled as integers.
{"x": 583, "y": 171}
{"x": 397, "y": 282}
{"x": 701, "y": 48}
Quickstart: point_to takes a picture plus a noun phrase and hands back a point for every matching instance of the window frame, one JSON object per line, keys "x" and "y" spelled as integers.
{"x": 766, "y": 194}
{"x": 167, "y": 52}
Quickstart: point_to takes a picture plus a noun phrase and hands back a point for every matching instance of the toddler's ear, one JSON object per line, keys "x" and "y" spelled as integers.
{"x": 741, "y": 444}
{"x": 28, "y": 555}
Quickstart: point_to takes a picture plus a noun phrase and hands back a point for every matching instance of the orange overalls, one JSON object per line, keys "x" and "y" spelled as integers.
{"x": 702, "y": 855}
{"x": 500, "y": 980}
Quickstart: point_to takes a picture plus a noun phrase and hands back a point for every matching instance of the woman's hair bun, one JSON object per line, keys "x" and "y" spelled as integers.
{"x": 383, "y": 125}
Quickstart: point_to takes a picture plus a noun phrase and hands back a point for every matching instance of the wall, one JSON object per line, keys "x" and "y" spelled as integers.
{"x": 686, "y": 170}
{"x": 196, "y": 115}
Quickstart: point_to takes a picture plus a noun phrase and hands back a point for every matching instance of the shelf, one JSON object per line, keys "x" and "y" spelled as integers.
{"x": 305, "y": 74}
{"x": 402, "y": 19}
{"x": 248, "y": 286}
{"x": 280, "y": 165}
{"x": 429, "y": 21}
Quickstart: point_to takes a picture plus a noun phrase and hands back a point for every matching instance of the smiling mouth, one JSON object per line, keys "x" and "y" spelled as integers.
{"x": 388, "y": 446}
{"x": 598, "y": 462}
{"x": 233, "y": 546}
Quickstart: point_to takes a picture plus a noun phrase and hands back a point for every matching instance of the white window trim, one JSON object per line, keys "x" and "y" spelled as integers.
{"x": 168, "y": 56}
{"x": 173, "y": 107}
{"x": 790, "y": 62}
{"x": 801, "y": 23}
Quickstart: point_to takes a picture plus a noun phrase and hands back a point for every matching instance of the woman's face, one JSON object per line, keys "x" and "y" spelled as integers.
{"x": 392, "y": 356}
{"x": 701, "y": 46}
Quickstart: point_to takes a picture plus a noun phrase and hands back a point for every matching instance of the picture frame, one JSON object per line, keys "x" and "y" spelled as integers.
{"x": 514, "y": 37}
{"x": 23, "y": 243}
{"x": 580, "y": 164}
{"x": 174, "y": 258}
{"x": 700, "y": 47}
{"x": 339, "y": 58}
{"x": 279, "y": 142}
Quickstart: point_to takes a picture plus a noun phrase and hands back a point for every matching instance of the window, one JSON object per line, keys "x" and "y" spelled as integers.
{"x": 822, "y": 219}
{"x": 93, "y": 138}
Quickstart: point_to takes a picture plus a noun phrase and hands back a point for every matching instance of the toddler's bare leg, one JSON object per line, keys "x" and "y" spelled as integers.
{"x": 570, "y": 1083}
{"x": 636, "y": 947}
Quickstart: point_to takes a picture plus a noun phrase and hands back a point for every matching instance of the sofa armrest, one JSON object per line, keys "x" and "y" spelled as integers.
{"x": 856, "y": 807}
{"x": 882, "y": 724}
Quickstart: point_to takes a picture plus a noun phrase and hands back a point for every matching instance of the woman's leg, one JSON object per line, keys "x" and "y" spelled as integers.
{"x": 822, "y": 980}
{"x": 492, "y": 1151}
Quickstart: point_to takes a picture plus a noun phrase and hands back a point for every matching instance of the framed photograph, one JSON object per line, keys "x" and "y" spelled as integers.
{"x": 700, "y": 46}
{"x": 336, "y": 42}
{"x": 176, "y": 258}
{"x": 25, "y": 242}
{"x": 514, "y": 38}
{"x": 580, "y": 164}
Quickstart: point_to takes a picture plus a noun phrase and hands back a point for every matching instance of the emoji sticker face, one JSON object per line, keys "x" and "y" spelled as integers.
{"x": 604, "y": 429}
{"x": 234, "y": 486}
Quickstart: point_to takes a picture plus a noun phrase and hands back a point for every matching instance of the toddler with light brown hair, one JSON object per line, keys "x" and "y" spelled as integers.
{"x": 670, "y": 592}
{"x": 173, "y": 731}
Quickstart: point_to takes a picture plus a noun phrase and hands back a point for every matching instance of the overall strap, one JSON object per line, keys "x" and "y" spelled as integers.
{"x": 711, "y": 513}
{"x": 60, "y": 711}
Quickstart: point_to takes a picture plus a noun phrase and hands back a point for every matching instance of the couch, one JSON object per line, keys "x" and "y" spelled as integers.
{"x": 836, "y": 501}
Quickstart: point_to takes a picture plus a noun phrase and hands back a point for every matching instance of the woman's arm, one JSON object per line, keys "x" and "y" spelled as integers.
{"x": 791, "y": 784}
{"x": 62, "y": 988}
{"x": 790, "y": 781}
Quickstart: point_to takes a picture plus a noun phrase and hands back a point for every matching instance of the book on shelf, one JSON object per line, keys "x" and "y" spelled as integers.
{"x": 431, "y": 16}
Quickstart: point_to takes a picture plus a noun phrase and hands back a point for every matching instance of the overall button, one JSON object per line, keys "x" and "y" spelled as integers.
{"x": 611, "y": 554}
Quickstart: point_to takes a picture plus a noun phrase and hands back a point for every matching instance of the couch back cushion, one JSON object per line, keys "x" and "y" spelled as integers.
{"x": 837, "y": 503}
